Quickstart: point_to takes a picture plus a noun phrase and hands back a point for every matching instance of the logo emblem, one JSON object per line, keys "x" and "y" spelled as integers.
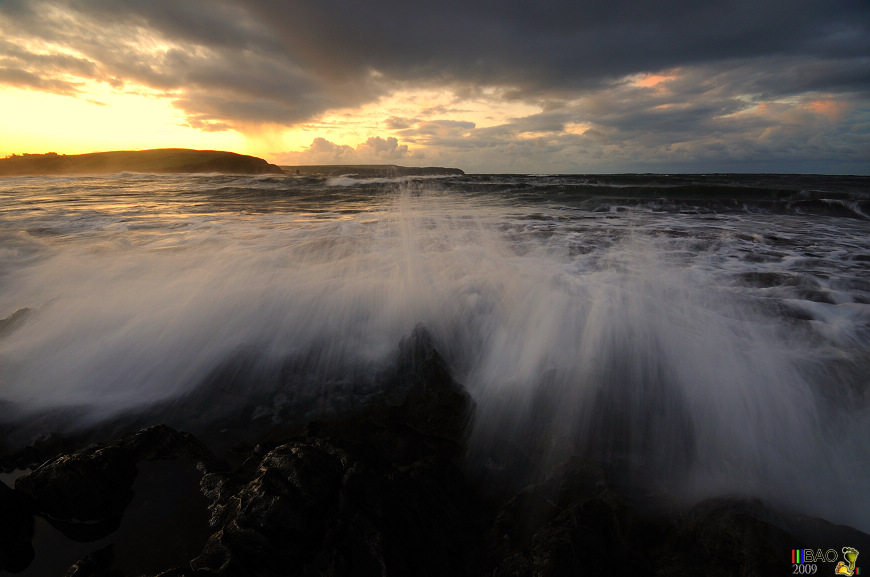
{"x": 848, "y": 567}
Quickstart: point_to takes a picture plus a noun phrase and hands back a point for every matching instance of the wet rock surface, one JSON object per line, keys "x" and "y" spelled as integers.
{"x": 96, "y": 564}
{"x": 16, "y": 530}
{"x": 384, "y": 500}
{"x": 83, "y": 494}
{"x": 386, "y": 491}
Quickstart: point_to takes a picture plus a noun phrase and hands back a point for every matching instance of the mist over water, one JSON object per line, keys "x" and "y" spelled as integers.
{"x": 702, "y": 339}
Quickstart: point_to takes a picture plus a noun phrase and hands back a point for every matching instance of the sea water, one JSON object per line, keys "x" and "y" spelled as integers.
{"x": 703, "y": 334}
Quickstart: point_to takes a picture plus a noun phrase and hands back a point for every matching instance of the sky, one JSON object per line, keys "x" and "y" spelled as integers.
{"x": 517, "y": 86}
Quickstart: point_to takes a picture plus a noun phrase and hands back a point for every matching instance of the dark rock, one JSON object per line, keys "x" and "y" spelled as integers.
{"x": 96, "y": 564}
{"x": 824, "y": 533}
{"x": 522, "y": 516}
{"x": 591, "y": 537}
{"x": 746, "y": 536}
{"x": 435, "y": 405}
{"x": 166, "y": 523}
{"x": 375, "y": 492}
{"x": 728, "y": 536}
{"x": 162, "y": 443}
{"x": 45, "y": 448}
{"x": 314, "y": 507}
{"x": 581, "y": 520}
{"x": 185, "y": 572}
{"x": 84, "y": 494}
{"x": 16, "y": 531}
{"x": 380, "y": 492}
{"x": 574, "y": 523}
{"x": 274, "y": 523}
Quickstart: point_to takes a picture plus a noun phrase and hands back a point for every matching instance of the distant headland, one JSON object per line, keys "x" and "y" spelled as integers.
{"x": 161, "y": 160}
{"x": 370, "y": 170}
{"x": 185, "y": 160}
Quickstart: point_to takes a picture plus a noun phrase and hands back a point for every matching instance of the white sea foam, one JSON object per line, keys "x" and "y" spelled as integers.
{"x": 626, "y": 336}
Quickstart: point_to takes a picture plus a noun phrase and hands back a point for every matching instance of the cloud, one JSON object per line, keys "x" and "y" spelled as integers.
{"x": 375, "y": 150}
{"x": 321, "y": 55}
{"x": 383, "y": 148}
{"x": 223, "y": 66}
{"x": 438, "y": 130}
{"x": 398, "y": 123}
{"x": 24, "y": 78}
{"x": 694, "y": 121}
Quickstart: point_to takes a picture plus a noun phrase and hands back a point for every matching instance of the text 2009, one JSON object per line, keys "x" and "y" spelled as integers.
{"x": 804, "y": 569}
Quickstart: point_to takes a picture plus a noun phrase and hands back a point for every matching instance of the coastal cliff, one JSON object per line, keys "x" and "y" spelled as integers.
{"x": 161, "y": 160}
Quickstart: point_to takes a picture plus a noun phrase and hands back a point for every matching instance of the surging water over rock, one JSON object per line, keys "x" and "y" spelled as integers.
{"x": 700, "y": 351}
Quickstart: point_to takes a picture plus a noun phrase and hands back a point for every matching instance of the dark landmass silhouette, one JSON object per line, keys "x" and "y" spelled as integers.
{"x": 161, "y": 160}
{"x": 370, "y": 170}
{"x": 185, "y": 160}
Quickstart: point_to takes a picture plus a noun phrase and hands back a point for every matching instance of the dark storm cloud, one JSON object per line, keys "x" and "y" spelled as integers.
{"x": 538, "y": 45}
{"x": 535, "y": 48}
{"x": 232, "y": 63}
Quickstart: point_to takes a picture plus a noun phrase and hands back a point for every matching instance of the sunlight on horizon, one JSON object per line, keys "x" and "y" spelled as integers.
{"x": 103, "y": 119}
{"x": 43, "y": 122}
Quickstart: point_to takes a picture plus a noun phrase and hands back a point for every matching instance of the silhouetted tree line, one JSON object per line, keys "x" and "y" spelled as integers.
{"x": 27, "y": 155}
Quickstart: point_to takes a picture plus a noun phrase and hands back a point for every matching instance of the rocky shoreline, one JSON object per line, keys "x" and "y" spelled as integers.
{"x": 385, "y": 491}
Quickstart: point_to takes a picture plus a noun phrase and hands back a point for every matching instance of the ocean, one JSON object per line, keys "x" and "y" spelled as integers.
{"x": 703, "y": 334}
